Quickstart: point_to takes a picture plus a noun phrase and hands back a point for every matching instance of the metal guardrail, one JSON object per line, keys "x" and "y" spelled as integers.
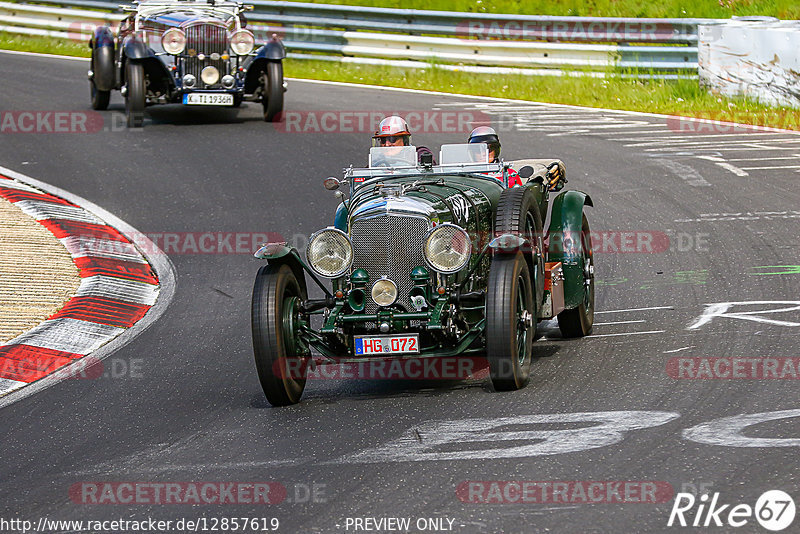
{"x": 475, "y": 42}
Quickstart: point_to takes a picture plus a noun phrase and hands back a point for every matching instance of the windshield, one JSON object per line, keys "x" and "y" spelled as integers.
{"x": 393, "y": 156}
{"x": 464, "y": 153}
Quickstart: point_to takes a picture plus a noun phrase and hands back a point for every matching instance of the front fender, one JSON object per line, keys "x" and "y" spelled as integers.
{"x": 102, "y": 45}
{"x": 279, "y": 253}
{"x": 103, "y": 36}
{"x": 255, "y": 65}
{"x": 566, "y": 221}
{"x": 134, "y": 48}
{"x": 274, "y": 49}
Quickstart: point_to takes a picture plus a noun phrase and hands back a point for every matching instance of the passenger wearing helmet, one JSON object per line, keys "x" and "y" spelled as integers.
{"x": 394, "y": 131}
{"x": 487, "y": 134}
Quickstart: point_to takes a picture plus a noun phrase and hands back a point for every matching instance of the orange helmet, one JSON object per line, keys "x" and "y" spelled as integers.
{"x": 390, "y": 129}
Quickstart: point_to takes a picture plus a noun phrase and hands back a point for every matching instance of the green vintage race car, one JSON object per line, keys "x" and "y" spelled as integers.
{"x": 428, "y": 261}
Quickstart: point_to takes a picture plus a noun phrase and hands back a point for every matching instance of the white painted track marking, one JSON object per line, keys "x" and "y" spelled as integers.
{"x": 116, "y": 288}
{"x": 619, "y": 322}
{"x": 627, "y": 334}
{"x": 68, "y": 335}
{"x": 12, "y": 184}
{"x": 7, "y": 385}
{"x": 770, "y": 168}
{"x": 85, "y": 246}
{"x": 729, "y": 431}
{"x": 491, "y": 438}
{"x": 41, "y": 210}
{"x": 636, "y": 309}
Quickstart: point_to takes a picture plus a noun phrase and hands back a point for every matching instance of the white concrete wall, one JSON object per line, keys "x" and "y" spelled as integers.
{"x": 756, "y": 59}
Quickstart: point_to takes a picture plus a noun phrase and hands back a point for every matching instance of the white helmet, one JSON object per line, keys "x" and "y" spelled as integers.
{"x": 390, "y": 129}
{"x": 488, "y": 135}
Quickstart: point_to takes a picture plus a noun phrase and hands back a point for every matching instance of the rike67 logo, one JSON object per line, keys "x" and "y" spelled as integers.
{"x": 774, "y": 510}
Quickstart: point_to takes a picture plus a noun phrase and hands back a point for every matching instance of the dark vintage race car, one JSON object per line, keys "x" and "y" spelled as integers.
{"x": 428, "y": 261}
{"x": 185, "y": 51}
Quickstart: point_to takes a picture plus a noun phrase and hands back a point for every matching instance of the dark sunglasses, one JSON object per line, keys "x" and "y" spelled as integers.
{"x": 390, "y": 139}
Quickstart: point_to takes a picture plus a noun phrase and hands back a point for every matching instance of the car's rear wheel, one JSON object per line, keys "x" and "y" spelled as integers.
{"x": 281, "y": 361}
{"x": 510, "y": 322}
{"x": 100, "y": 99}
{"x": 577, "y": 322}
{"x": 272, "y": 91}
{"x": 134, "y": 95}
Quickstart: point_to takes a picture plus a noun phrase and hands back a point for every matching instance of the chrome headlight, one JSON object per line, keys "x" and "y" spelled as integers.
{"x": 173, "y": 41}
{"x": 447, "y": 248}
{"x": 209, "y": 75}
{"x": 242, "y": 42}
{"x": 330, "y": 253}
{"x": 384, "y": 292}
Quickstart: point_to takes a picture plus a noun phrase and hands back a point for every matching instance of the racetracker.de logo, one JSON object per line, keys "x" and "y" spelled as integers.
{"x": 49, "y": 121}
{"x": 728, "y": 122}
{"x": 365, "y": 122}
{"x": 177, "y": 493}
{"x": 734, "y": 368}
{"x": 565, "y": 30}
{"x": 564, "y": 492}
{"x": 463, "y": 368}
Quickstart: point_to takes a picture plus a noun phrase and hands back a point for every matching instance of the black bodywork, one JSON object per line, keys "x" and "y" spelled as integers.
{"x": 136, "y": 51}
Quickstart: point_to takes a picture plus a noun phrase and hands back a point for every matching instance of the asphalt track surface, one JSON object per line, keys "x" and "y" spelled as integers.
{"x": 194, "y": 411}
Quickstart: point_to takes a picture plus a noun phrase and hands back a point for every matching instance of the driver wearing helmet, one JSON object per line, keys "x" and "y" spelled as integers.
{"x": 394, "y": 131}
{"x": 487, "y": 134}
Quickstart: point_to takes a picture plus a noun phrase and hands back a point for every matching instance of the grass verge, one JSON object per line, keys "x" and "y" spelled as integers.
{"x": 716, "y": 9}
{"x": 672, "y": 97}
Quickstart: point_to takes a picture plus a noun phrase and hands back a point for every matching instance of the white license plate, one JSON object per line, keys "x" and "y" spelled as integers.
{"x": 208, "y": 99}
{"x": 386, "y": 345}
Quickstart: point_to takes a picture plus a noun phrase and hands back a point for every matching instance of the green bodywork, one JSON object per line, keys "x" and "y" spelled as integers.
{"x": 565, "y": 243}
{"x": 452, "y": 322}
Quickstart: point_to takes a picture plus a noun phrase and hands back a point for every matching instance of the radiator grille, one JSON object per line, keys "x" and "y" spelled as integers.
{"x": 205, "y": 39}
{"x": 391, "y": 246}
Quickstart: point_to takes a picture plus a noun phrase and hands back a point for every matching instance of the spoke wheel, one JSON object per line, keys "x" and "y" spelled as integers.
{"x": 510, "y": 322}
{"x": 281, "y": 359}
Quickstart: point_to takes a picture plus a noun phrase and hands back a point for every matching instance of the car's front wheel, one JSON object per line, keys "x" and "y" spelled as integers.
{"x": 272, "y": 91}
{"x": 134, "y": 94}
{"x": 510, "y": 322}
{"x": 281, "y": 360}
{"x": 100, "y": 99}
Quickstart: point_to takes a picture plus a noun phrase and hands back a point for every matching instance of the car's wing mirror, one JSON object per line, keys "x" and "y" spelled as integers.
{"x": 331, "y": 183}
{"x": 525, "y": 172}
